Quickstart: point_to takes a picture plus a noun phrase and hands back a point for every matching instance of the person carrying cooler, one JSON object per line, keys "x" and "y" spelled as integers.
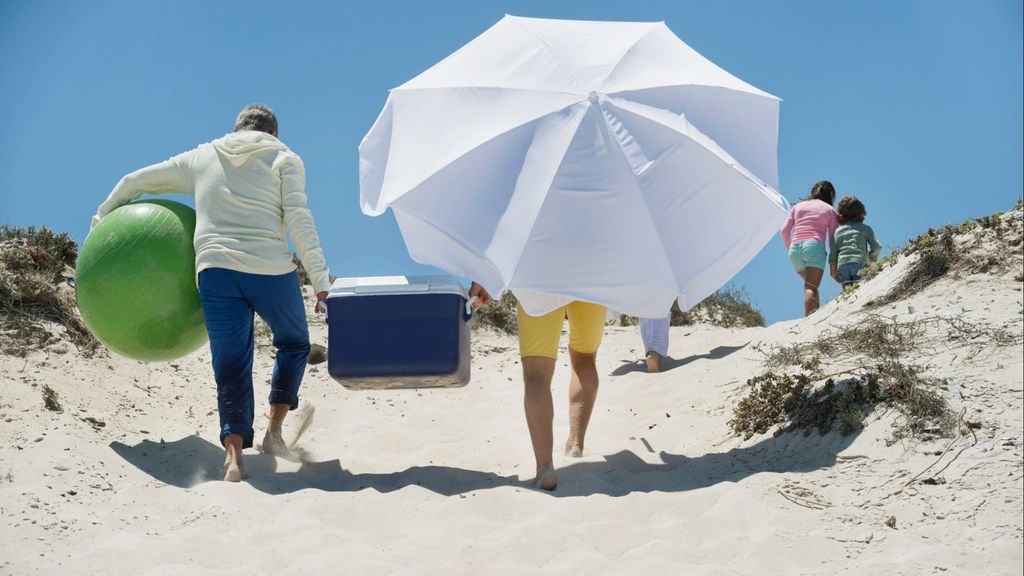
{"x": 810, "y": 222}
{"x": 854, "y": 244}
{"x": 250, "y": 189}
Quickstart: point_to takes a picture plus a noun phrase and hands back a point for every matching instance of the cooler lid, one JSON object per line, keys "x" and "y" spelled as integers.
{"x": 382, "y": 285}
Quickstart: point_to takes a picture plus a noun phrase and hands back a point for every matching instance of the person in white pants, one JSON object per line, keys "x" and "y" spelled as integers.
{"x": 654, "y": 332}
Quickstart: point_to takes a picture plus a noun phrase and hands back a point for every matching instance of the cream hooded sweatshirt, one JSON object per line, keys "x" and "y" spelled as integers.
{"x": 249, "y": 189}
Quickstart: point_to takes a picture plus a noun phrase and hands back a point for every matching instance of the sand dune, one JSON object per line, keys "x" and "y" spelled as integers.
{"x": 125, "y": 480}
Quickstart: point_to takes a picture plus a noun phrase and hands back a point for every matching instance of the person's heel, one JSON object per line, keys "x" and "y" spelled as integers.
{"x": 573, "y": 450}
{"x": 653, "y": 362}
{"x": 546, "y": 479}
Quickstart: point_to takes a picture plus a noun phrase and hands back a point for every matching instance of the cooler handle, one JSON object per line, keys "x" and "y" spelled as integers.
{"x": 469, "y": 306}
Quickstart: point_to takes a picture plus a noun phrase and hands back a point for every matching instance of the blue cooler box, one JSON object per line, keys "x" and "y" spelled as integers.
{"x": 398, "y": 332}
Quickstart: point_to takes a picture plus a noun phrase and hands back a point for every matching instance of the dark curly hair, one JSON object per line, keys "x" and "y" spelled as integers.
{"x": 823, "y": 191}
{"x": 851, "y": 210}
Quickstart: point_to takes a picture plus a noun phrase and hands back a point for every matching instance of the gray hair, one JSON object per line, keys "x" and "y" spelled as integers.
{"x": 256, "y": 117}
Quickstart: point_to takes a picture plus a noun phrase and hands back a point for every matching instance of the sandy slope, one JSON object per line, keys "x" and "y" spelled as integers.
{"x": 433, "y": 482}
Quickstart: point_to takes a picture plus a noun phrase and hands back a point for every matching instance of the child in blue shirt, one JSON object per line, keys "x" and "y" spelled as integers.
{"x": 855, "y": 246}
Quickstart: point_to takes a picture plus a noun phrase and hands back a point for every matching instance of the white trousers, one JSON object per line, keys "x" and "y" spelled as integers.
{"x": 654, "y": 332}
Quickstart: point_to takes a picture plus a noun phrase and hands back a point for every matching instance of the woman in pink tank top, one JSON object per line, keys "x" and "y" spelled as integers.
{"x": 810, "y": 223}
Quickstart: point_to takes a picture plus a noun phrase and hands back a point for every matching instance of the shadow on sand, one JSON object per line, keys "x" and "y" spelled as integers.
{"x": 670, "y": 363}
{"x": 625, "y": 472}
{"x": 192, "y": 460}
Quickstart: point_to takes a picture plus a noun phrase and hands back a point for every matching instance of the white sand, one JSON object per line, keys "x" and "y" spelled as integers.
{"x": 434, "y": 481}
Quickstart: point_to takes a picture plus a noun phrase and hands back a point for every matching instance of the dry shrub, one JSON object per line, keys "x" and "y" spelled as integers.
{"x": 794, "y": 402}
{"x": 626, "y": 320}
{"x": 499, "y": 315}
{"x": 873, "y": 350}
{"x": 303, "y": 275}
{"x": 989, "y": 243}
{"x": 938, "y": 254}
{"x": 42, "y": 249}
{"x": 33, "y": 266}
{"x": 51, "y": 400}
{"x": 730, "y": 307}
{"x": 768, "y": 403}
{"x": 873, "y": 338}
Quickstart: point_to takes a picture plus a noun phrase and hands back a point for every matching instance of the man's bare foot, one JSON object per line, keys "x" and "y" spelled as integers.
{"x": 573, "y": 449}
{"x": 274, "y": 444}
{"x": 232, "y": 471}
{"x": 546, "y": 479}
{"x": 233, "y": 458}
{"x": 274, "y": 441}
{"x": 653, "y": 362}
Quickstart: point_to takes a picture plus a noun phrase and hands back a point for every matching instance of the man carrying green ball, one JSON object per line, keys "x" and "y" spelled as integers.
{"x": 249, "y": 190}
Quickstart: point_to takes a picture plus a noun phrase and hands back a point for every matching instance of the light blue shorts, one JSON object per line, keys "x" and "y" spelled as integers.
{"x": 807, "y": 254}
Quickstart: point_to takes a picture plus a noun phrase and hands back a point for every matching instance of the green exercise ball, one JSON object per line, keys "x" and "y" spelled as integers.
{"x": 135, "y": 281}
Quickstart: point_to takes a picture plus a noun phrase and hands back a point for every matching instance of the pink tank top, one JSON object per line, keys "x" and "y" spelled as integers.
{"x": 809, "y": 220}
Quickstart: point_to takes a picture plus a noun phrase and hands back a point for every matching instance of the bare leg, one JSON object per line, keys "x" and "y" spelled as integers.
{"x": 273, "y": 443}
{"x": 812, "y": 279}
{"x": 582, "y": 395}
{"x": 537, "y": 373}
{"x": 233, "y": 458}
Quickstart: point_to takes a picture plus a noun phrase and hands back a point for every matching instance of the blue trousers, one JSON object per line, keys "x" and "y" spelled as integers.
{"x": 229, "y": 299}
{"x": 849, "y": 273}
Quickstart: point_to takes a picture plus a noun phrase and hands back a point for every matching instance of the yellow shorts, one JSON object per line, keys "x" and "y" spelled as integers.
{"x": 539, "y": 335}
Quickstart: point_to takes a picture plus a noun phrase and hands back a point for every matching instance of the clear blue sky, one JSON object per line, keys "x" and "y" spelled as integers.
{"x": 914, "y": 106}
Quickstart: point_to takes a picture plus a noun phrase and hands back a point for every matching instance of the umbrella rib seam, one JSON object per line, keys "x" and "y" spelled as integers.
{"x": 444, "y": 233}
{"x": 553, "y": 52}
{"x": 643, "y": 197}
{"x": 731, "y": 162}
{"x": 533, "y": 225}
{"x": 683, "y": 85}
{"x": 473, "y": 148}
{"x": 623, "y": 57}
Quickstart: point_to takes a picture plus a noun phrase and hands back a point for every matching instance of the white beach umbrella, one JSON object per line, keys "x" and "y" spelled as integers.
{"x": 607, "y": 162}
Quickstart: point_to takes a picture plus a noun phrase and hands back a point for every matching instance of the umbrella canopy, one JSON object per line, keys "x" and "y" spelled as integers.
{"x": 607, "y": 162}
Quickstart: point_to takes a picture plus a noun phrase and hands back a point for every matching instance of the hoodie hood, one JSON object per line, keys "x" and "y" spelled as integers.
{"x": 239, "y": 147}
